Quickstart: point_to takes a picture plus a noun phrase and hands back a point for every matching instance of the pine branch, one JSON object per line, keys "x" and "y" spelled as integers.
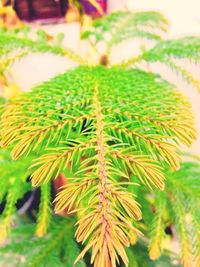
{"x": 180, "y": 214}
{"x": 174, "y": 207}
{"x": 186, "y": 179}
{"x": 13, "y": 186}
{"x": 182, "y": 189}
{"x": 130, "y": 62}
{"x": 186, "y": 47}
{"x": 52, "y": 243}
{"x": 157, "y": 228}
{"x": 14, "y": 193}
{"x": 37, "y": 135}
{"x": 166, "y": 51}
{"x": 185, "y": 74}
{"x": 13, "y": 47}
{"x": 162, "y": 127}
{"x": 126, "y": 25}
{"x": 138, "y": 256}
{"x": 193, "y": 203}
{"x": 146, "y": 169}
{"x": 44, "y": 216}
{"x": 98, "y": 220}
{"x": 186, "y": 182}
{"x": 52, "y": 164}
{"x": 132, "y": 258}
{"x": 58, "y": 248}
{"x": 89, "y": 146}
{"x": 105, "y": 129}
{"x": 153, "y": 144}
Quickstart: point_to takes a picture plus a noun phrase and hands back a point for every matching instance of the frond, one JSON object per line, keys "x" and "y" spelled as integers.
{"x": 52, "y": 164}
{"x": 186, "y": 179}
{"x": 182, "y": 228}
{"x": 80, "y": 123}
{"x": 138, "y": 256}
{"x": 13, "y": 187}
{"x": 132, "y": 258}
{"x": 14, "y": 47}
{"x": 15, "y": 183}
{"x": 58, "y": 248}
{"x": 106, "y": 234}
{"x": 44, "y": 215}
{"x": 157, "y": 228}
{"x": 186, "y": 182}
{"x": 184, "y": 74}
{"x": 139, "y": 166}
{"x": 14, "y": 193}
{"x": 183, "y": 48}
{"x": 192, "y": 205}
{"x": 126, "y": 25}
{"x": 180, "y": 202}
{"x": 186, "y": 47}
{"x": 64, "y": 250}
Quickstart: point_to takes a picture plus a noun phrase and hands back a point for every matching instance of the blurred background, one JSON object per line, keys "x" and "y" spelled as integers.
{"x": 63, "y": 17}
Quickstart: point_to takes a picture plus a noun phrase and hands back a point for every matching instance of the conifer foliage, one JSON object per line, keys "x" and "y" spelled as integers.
{"x": 109, "y": 130}
{"x": 178, "y": 207}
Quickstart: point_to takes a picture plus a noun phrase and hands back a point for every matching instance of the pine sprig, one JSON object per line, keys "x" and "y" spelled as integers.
{"x": 44, "y": 250}
{"x": 105, "y": 129}
{"x": 183, "y": 231}
{"x": 44, "y": 214}
{"x": 157, "y": 228}
{"x": 184, "y": 188}
{"x": 195, "y": 230}
{"x": 186, "y": 47}
{"x": 52, "y": 164}
{"x": 166, "y": 52}
{"x": 144, "y": 168}
{"x": 126, "y": 25}
{"x": 97, "y": 224}
{"x": 14, "y": 47}
{"x": 82, "y": 142}
{"x": 176, "y": 206}
{"x": 13, "y": 186}
{"x": 183, "y": 48}
{"x": 14, "y": 193}
{"x": 127, "y": 116}
{"x": 184, "y": 74}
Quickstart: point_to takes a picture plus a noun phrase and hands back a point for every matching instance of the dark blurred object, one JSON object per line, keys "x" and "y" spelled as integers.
{"x": 22, "y": 9}
{"x": 6, "y": 2}
{"x": 94, "y": 8}
{"x": 55, "y": 10}
{"x": 30, "y": 10}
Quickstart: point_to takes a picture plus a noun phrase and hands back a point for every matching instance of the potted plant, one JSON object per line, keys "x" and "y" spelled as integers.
{"x": 113, "y": 131}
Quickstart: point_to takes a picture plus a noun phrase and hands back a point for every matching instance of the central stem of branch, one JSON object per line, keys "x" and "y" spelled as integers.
{"x": 101, "y": 165}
